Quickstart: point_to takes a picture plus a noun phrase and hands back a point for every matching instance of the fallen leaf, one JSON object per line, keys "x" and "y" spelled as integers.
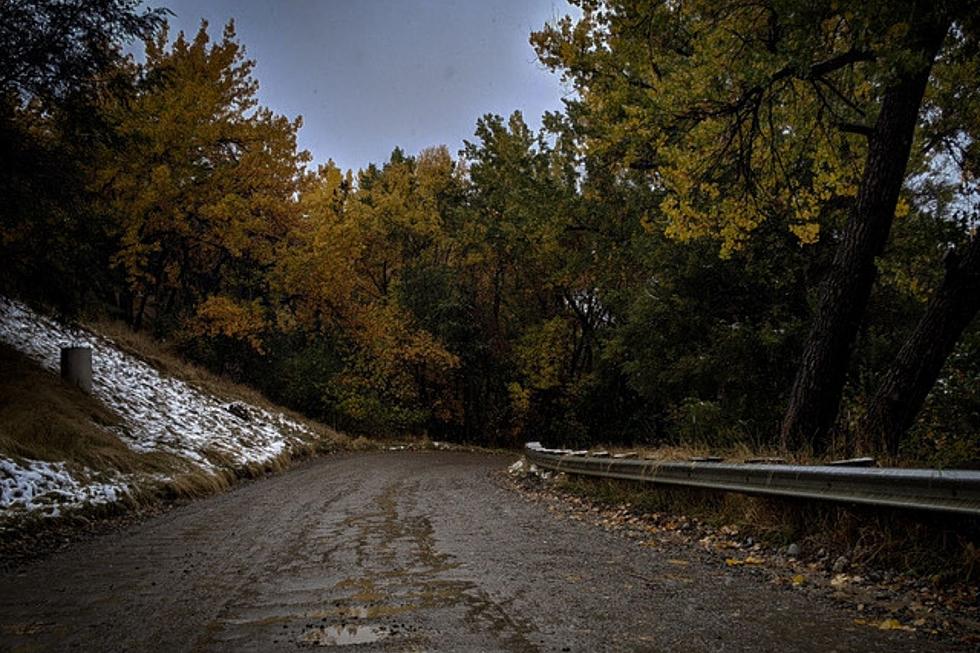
{"x": 892, "y": 624}
{"x": 799, "y": 580}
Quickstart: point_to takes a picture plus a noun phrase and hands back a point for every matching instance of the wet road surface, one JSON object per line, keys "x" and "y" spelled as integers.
{"x": 400, "y": 552}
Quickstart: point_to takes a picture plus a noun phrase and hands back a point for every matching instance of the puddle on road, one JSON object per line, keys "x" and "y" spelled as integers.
{"x": 343, "y": 635}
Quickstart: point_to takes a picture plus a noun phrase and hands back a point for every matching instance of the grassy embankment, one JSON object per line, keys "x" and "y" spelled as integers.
{"x": 44, "y": 418}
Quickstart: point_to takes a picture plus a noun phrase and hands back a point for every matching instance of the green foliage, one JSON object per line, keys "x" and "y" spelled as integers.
{"x": 561, "y": 285}
{"x": 54, "y": 49}
{"x": 946, "y": 431}
{"x": 743, "y": 321}
{"x": 55, "y": 56}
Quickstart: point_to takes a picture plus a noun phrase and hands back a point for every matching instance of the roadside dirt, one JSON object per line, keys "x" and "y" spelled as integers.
{"x": 401, "y": 551}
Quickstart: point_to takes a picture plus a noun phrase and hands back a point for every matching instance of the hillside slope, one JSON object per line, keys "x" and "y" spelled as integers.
{"x": 158, "y": 433}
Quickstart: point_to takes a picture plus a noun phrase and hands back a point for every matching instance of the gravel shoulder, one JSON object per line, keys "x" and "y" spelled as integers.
{"x": 401, "y": 551}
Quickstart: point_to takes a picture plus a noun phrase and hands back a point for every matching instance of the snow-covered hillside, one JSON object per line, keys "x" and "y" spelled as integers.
{"x": 161, "y": 413}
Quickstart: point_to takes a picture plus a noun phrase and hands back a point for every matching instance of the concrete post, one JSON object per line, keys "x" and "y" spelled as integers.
{"x": 76, "y": 367}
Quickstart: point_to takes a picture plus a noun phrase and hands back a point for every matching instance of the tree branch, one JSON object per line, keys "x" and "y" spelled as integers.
{"x": 854, "y": 128}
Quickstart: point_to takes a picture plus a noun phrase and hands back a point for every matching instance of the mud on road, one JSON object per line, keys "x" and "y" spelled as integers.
{"x": 400, "y": 552}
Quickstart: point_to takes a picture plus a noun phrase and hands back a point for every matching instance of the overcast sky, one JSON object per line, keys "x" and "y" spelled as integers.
{"x": 367, "y": 75}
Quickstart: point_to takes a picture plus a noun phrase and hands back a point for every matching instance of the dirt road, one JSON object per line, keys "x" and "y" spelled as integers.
{"x": 399, "y": 551}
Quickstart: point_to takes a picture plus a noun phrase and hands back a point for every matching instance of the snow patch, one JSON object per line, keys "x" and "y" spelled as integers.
{"x": 161, "y": 413}
{"x": 45, "y": 487}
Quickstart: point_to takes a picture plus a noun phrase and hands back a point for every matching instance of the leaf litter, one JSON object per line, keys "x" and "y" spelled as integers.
{"x": 883, "y": 599}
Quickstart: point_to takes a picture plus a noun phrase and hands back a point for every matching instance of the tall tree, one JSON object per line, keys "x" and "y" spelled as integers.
{"x": 351, "y": 275}
{"x": 201, "y": 184}
{"x": 537, "y": 312}
{"x": 950, "y": 133}
{"x": 52, "y": 49}
{"x": 744, "y": 113}
{"x": 54, "y": 56}
{"x": 907, "y": 382}
{"x": 819, "y": 383}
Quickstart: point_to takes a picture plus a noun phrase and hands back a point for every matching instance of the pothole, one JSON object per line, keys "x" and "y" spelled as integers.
{"x": 343, "y": 635}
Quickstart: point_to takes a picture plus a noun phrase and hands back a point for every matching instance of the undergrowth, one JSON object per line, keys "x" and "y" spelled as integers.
{"x": 942, "y": 547}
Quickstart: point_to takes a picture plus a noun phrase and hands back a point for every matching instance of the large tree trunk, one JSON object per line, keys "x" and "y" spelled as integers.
{"x": 914, "y": 371}
{"x": 820, "y": 377}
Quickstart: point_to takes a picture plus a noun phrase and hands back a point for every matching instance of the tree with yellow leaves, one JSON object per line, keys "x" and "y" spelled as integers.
{"x": 350, "y": 253}
{"x": 201, "y": 184}
{"x": 747, "y": 112}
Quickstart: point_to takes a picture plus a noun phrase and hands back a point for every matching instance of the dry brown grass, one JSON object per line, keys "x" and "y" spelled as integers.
{"x": 44, "y": 418}
{"x": 740, "y": 452}
{"x": 921, "y": 543}
{"x": 167, "y": 361}
{"x": 734, "y": 453}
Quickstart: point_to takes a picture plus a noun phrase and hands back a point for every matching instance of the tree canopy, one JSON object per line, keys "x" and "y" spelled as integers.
{"x": 752, "y": 225}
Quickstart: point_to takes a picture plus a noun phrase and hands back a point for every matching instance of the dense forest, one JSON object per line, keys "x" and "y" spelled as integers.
{"x": 754, "y": 224}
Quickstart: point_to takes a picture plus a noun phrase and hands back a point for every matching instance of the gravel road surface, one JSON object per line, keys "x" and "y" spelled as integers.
{"x": 400, "y": 552}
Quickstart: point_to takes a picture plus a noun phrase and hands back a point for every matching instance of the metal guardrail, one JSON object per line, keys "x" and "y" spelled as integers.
{"x": 926, "y": 489}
